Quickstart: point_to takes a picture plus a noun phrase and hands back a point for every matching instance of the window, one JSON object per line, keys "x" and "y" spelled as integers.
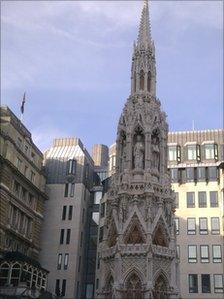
{"x": 59, "y": 261}
{"x": 174, "y": 175}
{"x": 64, "y": 213}
{"x": 215, "y": 227}
{"x": 81, "y": 238}
{"x": 203, "y": 226}
{"x": 62, "y": 236}
{"x": 214, "y": 199}
{"x": 19, "y": 142}
{"x": 83, "y": 215}
{"x": 209, "y": 151}
{"x": 101, "y": 234}
{"x": 32, "y": 176}
{"x": 71, "y": 167}
{"x": 191, "y": 226}
{"x": 66, "y": 190}
{"x": 172, "y": 153}
{"x": 201, "y": 174}
{"x": 205, "y": 283}
{"x": 97, "y": 197}
{"x": 102, "y": 210}
{"x": 204, "y": 253}
{"x": 218, "y": 283}
{"x": 26, "y": 148}
{"x": 176, "y": 221}
{"x": 24, "y": 194}
{"x": 68, "y": 236}
{"x": 70, "y": 212}
{"x": 32, "y": 156}
{"x": 212, "y": 173}
{"x": 66, "y": 261}
{"x": 63, "y": 289}
{"x": 191, "y": 152}
{"x": 192, "y": 253}
{"x": 216, "y": 253}
{"x": 18, "y": 163}
{"x": 72, "y": 190}
{"x": 79, "y": 264}
{"x": 202, "y": 199}
{"x": 89, "y": 291}
{"x": 193, "y": 283}
{"x": 190, "y": 200}
{"x": 178, "y": 251}
{"x": 30, "y": 200}
{"x": 16, "y": 188}
{"x": 25, "y": 170}
{"x": 190, "y": 174}
{"x": 57, "y": 287}
{"x": 176, "y": 199}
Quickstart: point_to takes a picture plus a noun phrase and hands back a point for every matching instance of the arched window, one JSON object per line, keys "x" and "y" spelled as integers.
{"x": 149, "y": 82}
{"x": 161, "y": 288}
{"x": 15, "y": 275}
{"x": 134, "y": 287}
{"x": 142, "y": 80}
{"x": 4, "y": 274}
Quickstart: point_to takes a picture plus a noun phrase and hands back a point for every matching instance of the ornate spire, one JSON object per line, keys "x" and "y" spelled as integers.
{"x": 144, "y": 34}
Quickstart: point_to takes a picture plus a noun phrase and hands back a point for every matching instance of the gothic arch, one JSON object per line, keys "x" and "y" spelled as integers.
{"x": 109, "y": 286}
{"x": 133, "y": 285}
{"x": 142, "y": 79}
{"x": 135, "y": 233}
{"x": 149, "y": 81}
{"x": 112, "y": 234}
{"x": 159, "y": 236}
{"x": 161, "y": 285}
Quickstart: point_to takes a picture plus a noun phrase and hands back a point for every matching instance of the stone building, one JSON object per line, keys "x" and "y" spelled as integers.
{"x": 67, "y": 218}
{"x": 137, "y": 243}
{"x": 22, "y": 195}
{"x": 196, "y": 163}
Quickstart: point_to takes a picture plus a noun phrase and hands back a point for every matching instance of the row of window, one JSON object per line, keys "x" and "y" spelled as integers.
{"x": 23, "y": 194}
{"x": 19, "y": 167}
{"x": 66, "y": 239}
{"x": 203, "y": 226}
{"x": 26, "y": 149}
{"x": 194, "y": 174}
{"x": 194, "y": 152}
{"x": 63, "y": 261}
{"x": 60, "y": 287}
{"x": 64, "y": 212}
{"x": 20, "y": 222}
{"x": 69, "y": 190}
{"x": 202, "y": 199}
{"x": 205, "y": 283}
{"x": 204, "y": 253}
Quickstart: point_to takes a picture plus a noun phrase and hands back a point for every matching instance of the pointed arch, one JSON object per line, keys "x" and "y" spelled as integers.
{"x": 142, "y": 79}
{"x": 149, "y": 81}
{"x": 133, "y": 285}
{"x": 109, "y": 286}
{"x": 160, "y": 237}
{"x": 161, "y": 286}
{"x": 135, "y": 233}
{"x": 112, "y": 234}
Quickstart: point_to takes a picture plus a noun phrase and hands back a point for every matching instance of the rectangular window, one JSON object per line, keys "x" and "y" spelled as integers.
{"x": 68, "y": 236}
{"x": 81, "y": 238}
{"x": 66, "y": 190}
{"x": 95, "y": 217}
{"x": 209, "y": 151}
{"x": 214, "y": 199}
{"x": 63, "y": 289}
{"x": 190, "y": 174}
{"x": 216, "y": 151}
{"x": 66, "y": 261}
{"x": 176, "y": 200}
{"x": 79, "y": 264}
{"x": 59, "y": 261}
{"x": 191, "y": 152}
{"x": 204, "y": 250}
{"x": 32, "y": 157}
{"x": 201, "y": 174}
{"x": 83, "y": 215}
{"x": 172, "y": 153}
{"x": 191, "y": 226}
{"x": 77, "y": 290}
{"x": 193, "y": 283}
{"x": 16, "y": 188}
{"x": 212, "y": 173}
{"x": 176, "y": 221}
{"x": 218, "y": 283}
{"x": 62, "y": 236}
{"x": 215, "y": 226}
{"x": 71, "y": 167}
{"x": 203, "y": 226}
{"x": 216, "y": 253}
{"x": 25, "y": 170}
{"x": 24, "y": 194}
{"x": 102, "y": 209}
{"x": 174, "y": 175}
{"x": 178, "y": 251}
{"x": 18, "y": 163}
{"x": 32, "y": 176}
{"x": 190, "y": 200}
{"x": 205, "y": 283}
{"x": 202, "y": 199}
{"x": 63, "y": 217}
{"x": 72, "y": 190}
{"x": 57, "y": 287}
{"x": 97, "y": 197}
{"x": 192, "y": 253}
{"x": 70, "y": 211}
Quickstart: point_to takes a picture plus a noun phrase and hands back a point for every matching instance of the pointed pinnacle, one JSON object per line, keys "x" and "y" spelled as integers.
{"x": 144, "y": 34}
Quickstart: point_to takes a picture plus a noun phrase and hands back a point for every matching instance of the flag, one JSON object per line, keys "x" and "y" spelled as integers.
{"x": 23, "y": 103}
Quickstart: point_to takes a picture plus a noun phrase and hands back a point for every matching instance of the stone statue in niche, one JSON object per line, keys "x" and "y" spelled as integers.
{"x": 155, "y": 151}
{"x": 139, "y": 152}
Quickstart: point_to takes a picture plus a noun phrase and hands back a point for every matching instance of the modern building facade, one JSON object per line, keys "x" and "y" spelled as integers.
{"x": 22, "y": 196}
{"x": 197, "y": 174}
{"x": 100, "y": 157}
{"x": 137, "y": 255}
{"x": 70, "y": 177}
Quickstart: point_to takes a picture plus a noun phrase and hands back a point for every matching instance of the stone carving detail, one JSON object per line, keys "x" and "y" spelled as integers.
{"x": 139, "y": 152}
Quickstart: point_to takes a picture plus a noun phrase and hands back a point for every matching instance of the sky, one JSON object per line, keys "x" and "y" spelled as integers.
{"x": 73, "y": 60}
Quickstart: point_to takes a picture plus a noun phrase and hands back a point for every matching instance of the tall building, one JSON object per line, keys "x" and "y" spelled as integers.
{"x": 70, "y": 177}
{"x": 22, "y": 195}
{"x": 100, "y": 157}
{"x": 137, "y": 243}
{"x": 196, "y": 162}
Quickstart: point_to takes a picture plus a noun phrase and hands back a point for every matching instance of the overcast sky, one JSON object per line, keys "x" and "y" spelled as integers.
{"x": 73, "y": 59}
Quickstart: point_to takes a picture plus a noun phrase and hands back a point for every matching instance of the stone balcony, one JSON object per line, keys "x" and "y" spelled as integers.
{"x": 163, "y": 251}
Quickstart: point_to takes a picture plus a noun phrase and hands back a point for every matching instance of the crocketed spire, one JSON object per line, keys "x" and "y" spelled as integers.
{"x": 144, "y": 34}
